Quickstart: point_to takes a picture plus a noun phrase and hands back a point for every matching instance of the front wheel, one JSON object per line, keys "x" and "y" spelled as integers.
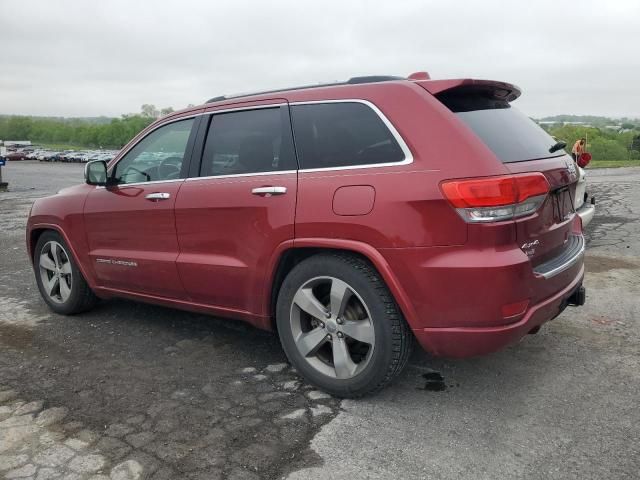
{"x": 60, "y": 282}
{"x": 340, "y": 326}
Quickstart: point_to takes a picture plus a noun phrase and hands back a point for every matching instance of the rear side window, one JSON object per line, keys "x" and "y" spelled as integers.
{"x": 248, "y": 141}
{"x": 345, "y": 134}
{"x": 509, "y": 133}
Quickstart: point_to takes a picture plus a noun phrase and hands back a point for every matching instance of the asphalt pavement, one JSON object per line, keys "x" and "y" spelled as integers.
{"x": 131, "y": 391}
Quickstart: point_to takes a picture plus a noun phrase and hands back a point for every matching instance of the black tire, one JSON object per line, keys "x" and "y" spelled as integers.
{"x": 81, "y": 297}
{"x": 393, "y": 339}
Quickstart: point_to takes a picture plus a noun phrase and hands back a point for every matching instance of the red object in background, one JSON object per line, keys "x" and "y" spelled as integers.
{"x": 214, "y": 247}
{"x": 16, "y": 156}
{"x": 584, "y": 159}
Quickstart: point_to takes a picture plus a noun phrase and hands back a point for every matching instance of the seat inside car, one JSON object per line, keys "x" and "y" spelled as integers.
{"x": 256, "y": 154}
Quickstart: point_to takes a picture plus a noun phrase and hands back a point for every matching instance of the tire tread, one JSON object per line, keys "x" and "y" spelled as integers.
{"x": 402, "y": 339}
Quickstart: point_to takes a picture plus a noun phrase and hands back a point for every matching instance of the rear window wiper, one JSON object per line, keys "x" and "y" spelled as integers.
{"x": 558, "y": 146}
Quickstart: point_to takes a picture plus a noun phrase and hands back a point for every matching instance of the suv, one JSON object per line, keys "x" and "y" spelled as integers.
{"x": 350, "y": 218}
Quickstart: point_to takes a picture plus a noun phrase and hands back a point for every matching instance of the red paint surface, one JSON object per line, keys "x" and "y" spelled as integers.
{"x": 214, "y": 247}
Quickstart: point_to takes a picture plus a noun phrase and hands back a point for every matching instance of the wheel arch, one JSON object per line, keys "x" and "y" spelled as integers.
{"x": 289, "y": 256}
{"x": 37, "y": 230}
{"x": 32, "y": 239}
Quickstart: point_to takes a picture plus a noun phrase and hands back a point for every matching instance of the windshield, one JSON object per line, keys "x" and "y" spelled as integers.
{"x": 508, "y": 132}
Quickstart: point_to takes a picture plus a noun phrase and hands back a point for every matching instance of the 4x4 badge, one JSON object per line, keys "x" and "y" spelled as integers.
{"x": 530, "y": 248}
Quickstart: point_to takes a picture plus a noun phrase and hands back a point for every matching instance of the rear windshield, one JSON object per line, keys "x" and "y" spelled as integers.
{"x": 508, "y": 132}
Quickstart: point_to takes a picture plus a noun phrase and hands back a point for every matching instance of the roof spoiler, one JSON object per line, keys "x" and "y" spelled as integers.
{"x": 498, "y": 90}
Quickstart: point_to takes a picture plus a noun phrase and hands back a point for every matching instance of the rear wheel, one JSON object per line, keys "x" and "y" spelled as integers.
{"x": 340, "y": 326}
{"x": 60, "y": 282}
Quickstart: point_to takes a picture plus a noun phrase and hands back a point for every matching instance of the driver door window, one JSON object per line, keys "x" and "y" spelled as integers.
{"x": 157, "y": 157}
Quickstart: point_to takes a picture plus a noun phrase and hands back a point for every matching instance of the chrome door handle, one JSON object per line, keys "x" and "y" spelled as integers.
{"x": 268, "y": 191}
{"x": 154, "y": 197}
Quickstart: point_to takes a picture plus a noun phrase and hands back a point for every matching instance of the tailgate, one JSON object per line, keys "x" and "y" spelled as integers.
{"x": 523, "y": 147}
{"x": 545, "y": 235}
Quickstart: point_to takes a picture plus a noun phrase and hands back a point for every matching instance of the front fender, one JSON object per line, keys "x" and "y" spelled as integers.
{"x": 63, "y": 213}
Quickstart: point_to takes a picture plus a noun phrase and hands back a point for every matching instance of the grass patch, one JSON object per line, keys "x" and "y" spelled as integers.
{"x": 613, "y": 163}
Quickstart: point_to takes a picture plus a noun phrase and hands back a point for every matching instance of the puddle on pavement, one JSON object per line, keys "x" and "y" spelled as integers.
{"x": 596, "y": 264}
{"x": 15, "y": 336}
{"x": 434, "y": 382}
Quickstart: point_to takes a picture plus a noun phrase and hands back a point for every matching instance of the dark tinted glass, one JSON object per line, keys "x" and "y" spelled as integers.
{"x": 249, "y": 141}
{"x": 509, "y": 133}
{"x": 342, "y": 134}
{"x": 158, "y": 156}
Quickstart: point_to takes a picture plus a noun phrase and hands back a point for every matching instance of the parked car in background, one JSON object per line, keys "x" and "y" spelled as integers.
{"x": 584, "y": 203}
{"x": 67, "y": 156}
{"x": 16, "y": 156}
{"x": 350, "y": 218}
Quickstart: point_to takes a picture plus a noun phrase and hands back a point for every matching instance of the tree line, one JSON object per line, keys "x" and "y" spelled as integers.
{"x": 114, "y": 133}
{"x": 602, "y": 143}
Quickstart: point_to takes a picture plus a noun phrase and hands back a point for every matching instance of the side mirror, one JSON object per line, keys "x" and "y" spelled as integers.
{"x": 95, "y": 173}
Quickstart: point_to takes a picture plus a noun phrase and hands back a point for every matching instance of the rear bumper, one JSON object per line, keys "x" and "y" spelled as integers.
{"x": 468, "y": 300}
{"x": 573, "y": 254}
{"x": 471, "y": 341}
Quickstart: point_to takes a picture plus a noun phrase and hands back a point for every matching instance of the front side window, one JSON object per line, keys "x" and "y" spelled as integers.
{"x": 158, "y": 156}
{"x": 248, "y": 141}
{"x": 330, "y": 135}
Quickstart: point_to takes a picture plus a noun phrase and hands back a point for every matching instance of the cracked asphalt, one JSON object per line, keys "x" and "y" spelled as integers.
{"x": 133, "y": 391}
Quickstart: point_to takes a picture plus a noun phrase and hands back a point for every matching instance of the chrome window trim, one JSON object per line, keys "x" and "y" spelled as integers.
{"x": 246, "y": 107}
{"x": 396, "y": 135}
{"x": 253, "y": 174}
{"x": 408, "y": 156}
{"x": 187, "y": 117}
{"x": 152, "y": 182}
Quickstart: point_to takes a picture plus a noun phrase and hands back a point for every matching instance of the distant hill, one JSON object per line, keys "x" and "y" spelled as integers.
{"x": 94, "y": 120}
{"x": 594, "y": 120}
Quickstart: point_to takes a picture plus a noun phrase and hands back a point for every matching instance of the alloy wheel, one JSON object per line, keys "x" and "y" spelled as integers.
{"x": 55, "y": 271}
{"x": 332, "y": 327}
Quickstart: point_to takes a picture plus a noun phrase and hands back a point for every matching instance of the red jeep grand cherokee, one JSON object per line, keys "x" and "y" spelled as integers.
{"x": 349, "y": 217}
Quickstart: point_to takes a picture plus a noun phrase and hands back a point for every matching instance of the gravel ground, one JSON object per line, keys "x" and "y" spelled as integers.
{"x": 132, "y": 391}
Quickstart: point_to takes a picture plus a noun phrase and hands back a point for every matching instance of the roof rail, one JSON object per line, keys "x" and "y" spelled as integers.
{"x": 373, "y": 79}
{"x": 351, "y": 81}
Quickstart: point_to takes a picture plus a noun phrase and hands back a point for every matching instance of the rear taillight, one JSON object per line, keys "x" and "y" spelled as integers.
{"x": 492, "y": 199}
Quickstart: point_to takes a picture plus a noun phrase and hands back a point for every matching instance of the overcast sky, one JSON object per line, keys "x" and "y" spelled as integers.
{"x": 89, "y": 58}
